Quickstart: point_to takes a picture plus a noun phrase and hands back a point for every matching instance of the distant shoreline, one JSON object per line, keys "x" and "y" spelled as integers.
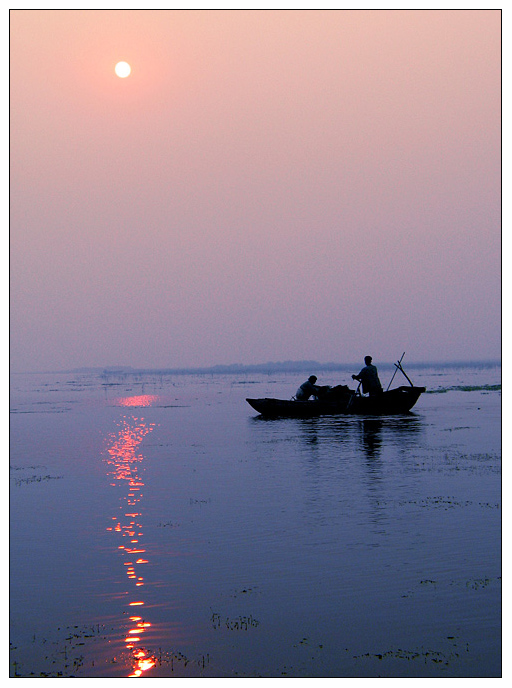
{"x": 262, "y": 368}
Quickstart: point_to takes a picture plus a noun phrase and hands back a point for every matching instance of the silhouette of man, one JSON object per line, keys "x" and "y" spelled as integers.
{"x": 307, "y": 389}
{"x": 370, "y": 378}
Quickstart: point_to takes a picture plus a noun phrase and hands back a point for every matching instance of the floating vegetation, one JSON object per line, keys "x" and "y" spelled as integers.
{"x": 443, "y": 502}
{"x": 465, "y": 388}
{"x": 56, "y": 658}
{"x": 455, "y": 462}
{"x": 36, "y": 479}
{"x": 479, "y": 583}
{"x": 168, "y": 524}
{"x": 48, "y": 410}
{"x": 71, "y": 655}
{"x": 471, "y": 584}
{"x": 26, "y": 468}
{"x": 238, "y": 623}
{"x": 461, "y": 427}
{"x": 474, "y": 457}
{"x": 245, "y": 591}
{"x": 421, "y": 655}
{"x": 199, "y": 502}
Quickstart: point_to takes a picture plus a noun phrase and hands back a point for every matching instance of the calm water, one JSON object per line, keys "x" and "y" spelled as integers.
{"x": 160, "y": 528}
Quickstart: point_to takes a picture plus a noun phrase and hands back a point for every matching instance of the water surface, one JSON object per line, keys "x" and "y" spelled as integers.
{"x": 159, "y": 527}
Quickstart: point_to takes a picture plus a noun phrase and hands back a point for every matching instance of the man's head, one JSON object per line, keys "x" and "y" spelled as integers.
{"x": 312, "y": 379}
{"x": 368, "y": 360}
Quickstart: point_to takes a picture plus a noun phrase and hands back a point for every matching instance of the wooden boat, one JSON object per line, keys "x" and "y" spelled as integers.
{"x": 342, "y": 400}
{"x": 394, "y": 401}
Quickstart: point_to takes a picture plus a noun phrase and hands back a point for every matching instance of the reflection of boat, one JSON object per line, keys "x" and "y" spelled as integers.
{"x": 341, "y": 400}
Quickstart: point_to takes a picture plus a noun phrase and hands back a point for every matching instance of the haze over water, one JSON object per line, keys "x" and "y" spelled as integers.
{"x": 160, "y": 528}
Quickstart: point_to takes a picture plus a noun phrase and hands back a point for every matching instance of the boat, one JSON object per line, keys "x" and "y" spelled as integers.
{"x": 391, "y": 402}
{"x": 342, "y": 400}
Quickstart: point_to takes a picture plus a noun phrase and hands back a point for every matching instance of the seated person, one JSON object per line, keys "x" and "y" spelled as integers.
{"x": 307, "y": 389}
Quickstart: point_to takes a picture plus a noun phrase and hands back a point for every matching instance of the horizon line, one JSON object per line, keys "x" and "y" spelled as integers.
{"x": 233, "y": 368}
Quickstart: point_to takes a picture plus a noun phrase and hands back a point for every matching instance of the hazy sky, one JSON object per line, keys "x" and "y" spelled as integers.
{"x": 265, "y": 185}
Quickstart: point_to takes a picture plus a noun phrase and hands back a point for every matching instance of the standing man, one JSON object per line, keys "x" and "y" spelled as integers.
{"x": 370, "y": 378}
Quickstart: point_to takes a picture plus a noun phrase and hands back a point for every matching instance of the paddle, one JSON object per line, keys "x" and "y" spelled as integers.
{"x": 353, "y": 396}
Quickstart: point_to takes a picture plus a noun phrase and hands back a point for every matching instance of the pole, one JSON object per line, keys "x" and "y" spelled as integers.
{"x": 405, "y": 375}
{"x": 396, "y": 368}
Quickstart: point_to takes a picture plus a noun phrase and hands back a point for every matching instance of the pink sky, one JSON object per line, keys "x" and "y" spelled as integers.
{"x": 266, "y": 185}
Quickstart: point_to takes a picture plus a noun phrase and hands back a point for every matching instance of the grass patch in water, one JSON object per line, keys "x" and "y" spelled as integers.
{"x": 465, "y": 388}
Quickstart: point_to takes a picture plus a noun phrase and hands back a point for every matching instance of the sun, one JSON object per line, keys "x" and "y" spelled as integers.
{"x": 123, "y": 69}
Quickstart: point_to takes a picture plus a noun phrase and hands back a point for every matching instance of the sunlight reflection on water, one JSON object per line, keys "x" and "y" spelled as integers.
{"x": 138, "y": 400}
{"x": 126, "y": 468}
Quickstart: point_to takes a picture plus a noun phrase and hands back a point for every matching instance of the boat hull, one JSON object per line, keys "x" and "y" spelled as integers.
{"x": 392, "y": 402}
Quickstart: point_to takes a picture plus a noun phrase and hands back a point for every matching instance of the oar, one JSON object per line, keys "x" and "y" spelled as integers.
{"x": 396, "y": 368}
{"x": 353, "y": 396}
